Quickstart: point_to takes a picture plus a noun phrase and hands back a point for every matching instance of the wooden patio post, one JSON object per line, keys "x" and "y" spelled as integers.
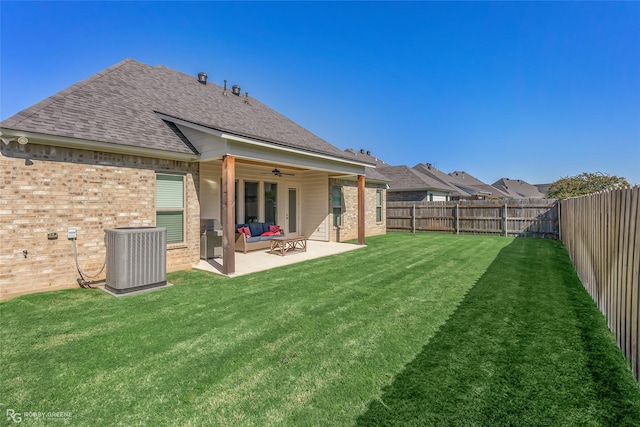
{"x": 228, "y": 217}
{"x": 361, "y": 231}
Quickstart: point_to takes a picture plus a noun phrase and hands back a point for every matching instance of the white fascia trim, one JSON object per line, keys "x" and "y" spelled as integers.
{"x": 252, "y": 141}
{"x": 83, "y": 144}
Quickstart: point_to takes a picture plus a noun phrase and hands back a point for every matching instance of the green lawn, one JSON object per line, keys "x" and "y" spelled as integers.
{"x": 428, "y": 329}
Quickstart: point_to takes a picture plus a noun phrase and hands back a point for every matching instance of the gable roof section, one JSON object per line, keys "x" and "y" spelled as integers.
{"x": 464, "y": 177}
{"x": 464, "y": 188}
{"x": 403, "y": 178}
{"x": 429, "y": 170}
{"x": 120, "y": 104}
{"x": 518, "y": 188}
{"x": 461, "y": 178}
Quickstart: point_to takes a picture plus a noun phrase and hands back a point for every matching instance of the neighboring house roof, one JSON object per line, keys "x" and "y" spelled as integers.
{"x": 543, "y": 188}
{"x": 403, "y": 178}
{"x": 466, "y": 180}
{"x": 371, "y": 173}
{"x": 430, "y": 170}
{"x": 366, "y": 156}
{"x": 466, "y": 177}
{"x": 518, "y": 189}
{"x": 465, "y": 184}
{"x": 122, "y": 105}
{"x": 374, "y": 174}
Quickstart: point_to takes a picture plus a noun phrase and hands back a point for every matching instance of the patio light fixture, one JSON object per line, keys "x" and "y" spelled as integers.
{"x": 22, "y": 140}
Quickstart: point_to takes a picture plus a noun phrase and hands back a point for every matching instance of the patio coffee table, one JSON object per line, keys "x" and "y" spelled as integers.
{"x": 282, "y": 245}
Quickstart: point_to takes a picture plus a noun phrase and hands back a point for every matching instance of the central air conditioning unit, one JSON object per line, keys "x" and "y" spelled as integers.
{"x": 136, "y": 258}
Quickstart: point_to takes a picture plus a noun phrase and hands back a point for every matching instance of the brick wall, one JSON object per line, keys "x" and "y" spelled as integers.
{"x": 47, "y": 189}
{"x": 416, "y": 196}
{"x": 349, "y": 228}
{"x": 407, "y": 196}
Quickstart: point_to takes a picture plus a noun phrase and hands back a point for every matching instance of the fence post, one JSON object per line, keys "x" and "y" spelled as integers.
{"x": 559, "y": 222}
{"x": 413, "y": 218}
{"x": 457, "y": 218}
{"x": 506, "y": 227}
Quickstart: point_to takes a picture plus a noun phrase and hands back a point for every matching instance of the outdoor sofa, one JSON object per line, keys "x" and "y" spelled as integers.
{"x": 260, "y": 236}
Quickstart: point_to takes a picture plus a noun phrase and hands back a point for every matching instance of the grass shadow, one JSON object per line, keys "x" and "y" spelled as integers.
{"x": 526, "y": 346}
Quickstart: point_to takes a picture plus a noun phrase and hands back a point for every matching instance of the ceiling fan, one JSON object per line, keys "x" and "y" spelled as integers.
{"x": 277, "y": 172}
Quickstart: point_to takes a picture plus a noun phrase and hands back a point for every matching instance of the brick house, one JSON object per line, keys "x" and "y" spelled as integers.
{"x": 137, "y": 145}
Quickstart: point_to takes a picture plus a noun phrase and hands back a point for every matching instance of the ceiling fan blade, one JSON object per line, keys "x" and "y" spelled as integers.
{"x": 278, "y": 173}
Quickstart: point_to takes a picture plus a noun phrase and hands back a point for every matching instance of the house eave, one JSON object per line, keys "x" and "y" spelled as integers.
{"x": 246, "y": 140}
{"x": 109, "y": 147}
{"x": 273, "y": 145}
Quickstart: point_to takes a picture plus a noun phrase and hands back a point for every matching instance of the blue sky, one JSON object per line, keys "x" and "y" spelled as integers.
{"x": 533, "y": 91}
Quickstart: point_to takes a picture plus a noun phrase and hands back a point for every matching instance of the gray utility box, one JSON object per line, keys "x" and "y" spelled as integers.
{"x": 136, "y": 258}
{"x": 210, "y": 240}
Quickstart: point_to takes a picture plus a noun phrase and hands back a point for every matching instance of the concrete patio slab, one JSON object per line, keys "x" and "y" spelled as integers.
{"x": 261, "y": 260}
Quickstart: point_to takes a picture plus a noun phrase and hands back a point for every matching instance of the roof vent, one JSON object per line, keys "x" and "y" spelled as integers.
{"x": 362, "y": 151}
{"x": 235, "y": 90}
{"x": 368, "y": 153}
{"x": 202, "y": 78}
{"x": 429, "y": 166}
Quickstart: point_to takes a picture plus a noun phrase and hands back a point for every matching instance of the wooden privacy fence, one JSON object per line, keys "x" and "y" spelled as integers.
{"x": 602, "y": 235}
{"x": 525, "y": 218}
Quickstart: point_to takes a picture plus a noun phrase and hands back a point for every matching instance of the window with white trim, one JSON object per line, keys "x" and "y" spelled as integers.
{"x": 378, "y": 205}
{"x": 336, "y": 203}
{"x": 170, "y": 206}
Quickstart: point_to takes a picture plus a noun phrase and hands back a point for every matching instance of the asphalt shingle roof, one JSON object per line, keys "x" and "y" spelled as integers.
{"x": 406, "y": 178}
{"x": 366, "y": 156}
{"x": 518, "y": 189}
{"x": 119, "y": 106}
{"x": 370, "y": 172}
{"x": 463, "y": 179}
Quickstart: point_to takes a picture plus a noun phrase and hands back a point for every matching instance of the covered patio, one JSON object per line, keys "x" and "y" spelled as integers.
{"x": 257, "y": 166}
{"x": 262, "y": 260}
